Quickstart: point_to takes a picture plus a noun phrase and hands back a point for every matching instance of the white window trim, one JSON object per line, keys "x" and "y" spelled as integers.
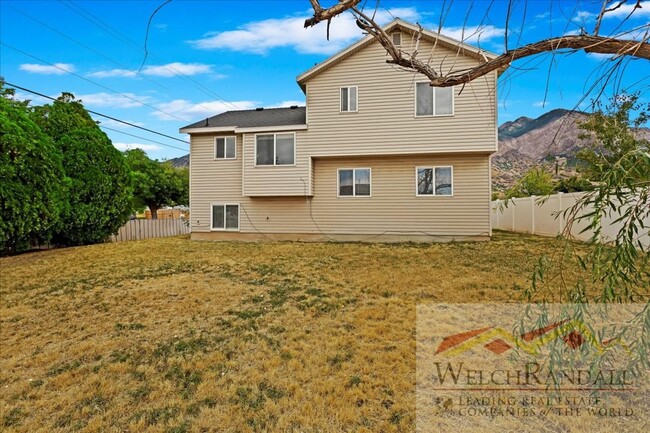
{"x": 415, "y": 105}
{"x": 357, "y": 91}
{"x": 224, "y": 147}
{"x": 275, "y": 134}
{"x": 224, "y": 229}
{"x": 393, "y": 40}
{"x": 354, "y": 188}
{"x": 433, "y": 167}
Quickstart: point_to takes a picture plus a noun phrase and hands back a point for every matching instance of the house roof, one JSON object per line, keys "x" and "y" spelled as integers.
{"x": 395, "y": 24}
{"x": 256, "y": 118}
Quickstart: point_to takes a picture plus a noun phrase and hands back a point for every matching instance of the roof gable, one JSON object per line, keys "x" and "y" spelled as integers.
{"x": 395, "y": 24}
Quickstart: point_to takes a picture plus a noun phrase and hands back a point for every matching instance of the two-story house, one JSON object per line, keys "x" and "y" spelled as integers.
{"x": 377, "y": 154}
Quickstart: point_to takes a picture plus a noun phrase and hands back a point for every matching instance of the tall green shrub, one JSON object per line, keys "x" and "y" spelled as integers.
{"x": 100, "y": 183}
{"x": 32, "y": 180}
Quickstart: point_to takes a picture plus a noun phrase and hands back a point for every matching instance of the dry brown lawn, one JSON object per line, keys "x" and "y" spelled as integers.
{"x": 171, "y": 335}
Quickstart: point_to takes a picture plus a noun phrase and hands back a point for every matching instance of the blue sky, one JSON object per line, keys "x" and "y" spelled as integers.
{"x": 209, "y": 56}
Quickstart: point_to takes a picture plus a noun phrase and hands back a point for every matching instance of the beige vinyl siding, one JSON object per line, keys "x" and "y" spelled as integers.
{"x": 393, "y": 207}
{"x": 386, "y": 121}
{"x": 282, "y": 180}
{"x": 211, "y": 180}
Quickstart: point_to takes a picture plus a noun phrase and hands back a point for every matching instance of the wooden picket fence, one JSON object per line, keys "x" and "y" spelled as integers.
{"x": 138, "y": 229}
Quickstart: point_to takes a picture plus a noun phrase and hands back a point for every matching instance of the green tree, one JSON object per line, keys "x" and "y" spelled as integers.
{"x": 535, "y": 181}
{"x": 156, "y": 184}
{"x": 99, "y": 196}
{"x": 612, "y": 136}
{"x": 573, "y": 184}
{"x": 618, "y": 161}
{"x": 33, "y": 181}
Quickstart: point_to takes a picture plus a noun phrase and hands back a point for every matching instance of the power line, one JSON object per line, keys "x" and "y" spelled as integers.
{"x": 91, "y": 81}
{"x": 99, "y": 53}
{"x": 89, "y": 48}
{"x": 99, "y": 114}
{"x": 141, "y": 138}
{"x": 127, "y": 41}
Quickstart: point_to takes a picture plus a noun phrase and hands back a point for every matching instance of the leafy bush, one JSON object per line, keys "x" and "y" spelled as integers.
{"x": 32, "y": 191}
{"x": 99, "y": 196}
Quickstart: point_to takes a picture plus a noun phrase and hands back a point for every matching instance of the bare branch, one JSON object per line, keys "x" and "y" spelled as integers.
{"x": 321, "y": 14}
{"x": 604, "y": 10}
{"x": 589, "y": 43}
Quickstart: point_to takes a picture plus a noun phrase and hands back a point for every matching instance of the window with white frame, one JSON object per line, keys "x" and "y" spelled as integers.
{"x": 349, "y": 98}
{"x": 275, "y": 149}
{"x": 433, "y": 101}
{"x": 224, "y": 217}
{"x": 432, "y": 181}
{"x": 397, "y": 38}
{"x": 225, "y": 148}
{"x": 354, "y": 182}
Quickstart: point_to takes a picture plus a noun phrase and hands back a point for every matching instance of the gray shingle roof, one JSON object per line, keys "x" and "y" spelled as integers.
{"x": 255, "y": 118}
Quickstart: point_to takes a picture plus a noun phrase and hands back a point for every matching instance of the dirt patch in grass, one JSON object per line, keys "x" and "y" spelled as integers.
{"x": 170, "y": 335}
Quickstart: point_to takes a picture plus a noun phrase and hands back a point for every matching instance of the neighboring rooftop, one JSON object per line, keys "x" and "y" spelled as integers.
{"x": 258, "y": 117}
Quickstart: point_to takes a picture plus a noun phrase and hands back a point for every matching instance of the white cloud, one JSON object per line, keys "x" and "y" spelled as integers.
{"x": 126, "y": 100}
{"x": 168, "y": 70}
{"x": 113, "y": 124}
{"x": 540, "y": 104}
{"x": 34, "y": 99}
{"x": 473, "y": 34}
{"x": 261, "y": 36}
{"x": 585, "y": 15}
{"x": 189, "y": 110}
{"x": 56, "y": 69}
{"x": 129, "y": 146}
{"x": 626, "y": 9}
{"x": 113, "y": 73}
{"x": 288, "y": 103}
{"x": 171, "y": 69}
{"x": 600, "y": 56}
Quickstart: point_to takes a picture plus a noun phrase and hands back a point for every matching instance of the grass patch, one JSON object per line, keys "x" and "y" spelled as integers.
{"x": 172, "y": 335}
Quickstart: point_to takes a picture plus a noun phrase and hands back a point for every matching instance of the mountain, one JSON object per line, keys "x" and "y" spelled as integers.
{"x": 550, "y": 139}
{"x": 180, "y": 162}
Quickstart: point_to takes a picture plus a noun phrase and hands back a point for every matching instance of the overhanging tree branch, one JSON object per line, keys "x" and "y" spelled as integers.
{"x": 615, "y": 46}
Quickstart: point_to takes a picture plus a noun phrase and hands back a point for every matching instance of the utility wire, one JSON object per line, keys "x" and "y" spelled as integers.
{"x": 146, "y": 36}
{"x": 141, "y": 138}
{"x": 99, "y": 53}
{"x": 92, "y": 82}
{"x": 99, "y": 114}
{"x": 127, "y": 41}
{"x": 47, "y": 26}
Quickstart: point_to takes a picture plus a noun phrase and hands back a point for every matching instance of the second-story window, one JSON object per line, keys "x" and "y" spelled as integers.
{"x": 397, "y": 38}
{"x": 433, "y": 101}
{"x": 349, "y": 98}
{"x": 275, "y": 149}
{"x": 225, "y": 148}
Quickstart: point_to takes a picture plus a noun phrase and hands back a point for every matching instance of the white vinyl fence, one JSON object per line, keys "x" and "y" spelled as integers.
{"x": 543, "y": 216}
{"x": 146, "y": 229}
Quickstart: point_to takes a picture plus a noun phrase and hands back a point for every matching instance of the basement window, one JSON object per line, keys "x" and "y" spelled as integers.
{"x": 224, "y": 216}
